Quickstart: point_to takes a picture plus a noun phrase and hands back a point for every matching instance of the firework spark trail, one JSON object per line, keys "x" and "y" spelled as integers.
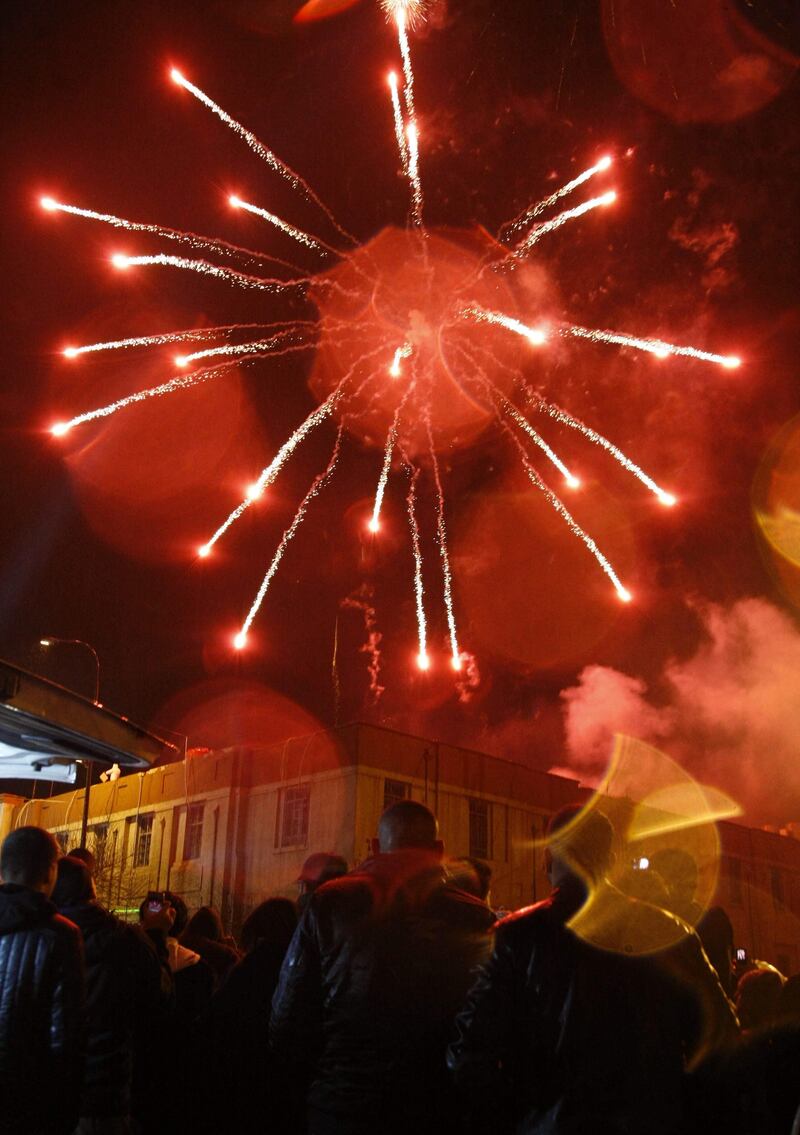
{"x": 194, "y": 240}
{"x": 120, "y": 260}
{"x": 534, "y": 335}
{"x": 266, "y": 155}
{"x": 534, "y": 211}
{"x": 362, "y": 600}
{"x": 441, "y": 538}
{"x": 192, "y": 333}
{"x": 576, "y": 424}
{"x": 525, "y": 425}
{"x": 419, "y": 592}
{"x": 652, "y": 346}
{"x": 305, "y": 238}
{"x": 317, "y": 485}
{"x": 399, "y": 126}
{"x": 179, "y": 382}
{"x": 257, "y": 347}
{"x": 400, "y": 354}
{"x": 271, "y": 471}
{"x": 539, "y": 231}
{"x": 391, "y": 438}
{"x": 417, "y": 201}
{"x": 399, "y": 12}
{"x": 567, "y": 516}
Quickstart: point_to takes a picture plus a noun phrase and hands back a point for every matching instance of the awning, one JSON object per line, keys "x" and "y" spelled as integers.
{"x": 45, "y": 730}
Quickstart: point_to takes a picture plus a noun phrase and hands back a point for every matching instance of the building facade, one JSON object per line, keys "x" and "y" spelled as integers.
{"x": 231, "y": 827}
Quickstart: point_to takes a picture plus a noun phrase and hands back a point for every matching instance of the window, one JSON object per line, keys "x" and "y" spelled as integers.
{"x": 99, "y": 835}
{"x": 479, "y": 828}
{"x": 735, "y": 881}
{"x": 144, "y": 837}
{"x": 776, "y": 882}
{"x": 394, "y": 791}
{"x": 193, "y": 836}
{"x": 294, "y": 815}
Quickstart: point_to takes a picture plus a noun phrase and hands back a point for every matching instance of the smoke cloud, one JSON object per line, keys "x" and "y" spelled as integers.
{"x": 730, "y": 714}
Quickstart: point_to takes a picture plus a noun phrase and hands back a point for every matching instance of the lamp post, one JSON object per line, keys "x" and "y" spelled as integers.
{"x": 51, "y": 640}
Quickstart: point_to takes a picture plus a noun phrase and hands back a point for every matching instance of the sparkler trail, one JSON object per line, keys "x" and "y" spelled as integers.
{"x": 391, "y": 437}
{"x": 576, "y": 529}
{"x": 319, "y": 483}
{"x": 574, "y": 423}
{"x": 272, "y": 159}
{"x": 399, "y": 126}
{"x": 528, "y": 215}
{"x": 539, "y": 231}
{"x": 525, "y": 425}
{"x": 120, "y": 260}
{"x": 534, "y": 335}
{"x": 284, "y": 339}
{"x": 296, "y": 234}
{"x": 271, "y": 471}
{"x": 194, "y": 240}
{"x": 423, "y": 661}
{"x": 179, "y": 382}
{"x": 653, "y": 346}
{"x": 400, "y": 354}
{"x": 441, "y": 538}
{"x": 362, "y": 600}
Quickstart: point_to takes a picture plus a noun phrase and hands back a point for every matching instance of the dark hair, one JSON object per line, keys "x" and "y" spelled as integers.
{"x": 85, "y": 856}
{"x": 73, "y": 883}
{"x": 273, "y": 921}
{"x": 27, "y": 856}
{"x": 407, "y": 824}
{"x": 204, "y": 923}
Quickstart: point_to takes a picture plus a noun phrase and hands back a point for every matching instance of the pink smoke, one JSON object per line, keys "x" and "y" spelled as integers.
{"x": 730, "y": 714}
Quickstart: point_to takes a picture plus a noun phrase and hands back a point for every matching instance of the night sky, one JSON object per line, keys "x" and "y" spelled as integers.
{"x": 514, "y": 98}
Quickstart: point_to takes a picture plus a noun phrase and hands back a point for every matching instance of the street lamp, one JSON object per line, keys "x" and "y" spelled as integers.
{"x": 52, "y": 641}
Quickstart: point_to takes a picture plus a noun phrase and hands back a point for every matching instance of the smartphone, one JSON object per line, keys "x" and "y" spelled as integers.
{"x": 741, "y": 955}
{"x": 156, "y": 901}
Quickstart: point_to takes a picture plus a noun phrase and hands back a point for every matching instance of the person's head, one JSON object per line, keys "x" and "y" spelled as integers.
{"x": 471, "y": 875}
{"x": 85, "y": 856}
{"x": 74, "y": 883}
{"x": 28, "y": 858}
{"x": 758, "y": 997}
{"x": 273, "y": 921}
{"x": 204, "y": 923}
{"x": 320, "y": 867}
{"x": 165, "y": 911}
{"x": 408, "y": 824}
{"x": 579, "y": 845}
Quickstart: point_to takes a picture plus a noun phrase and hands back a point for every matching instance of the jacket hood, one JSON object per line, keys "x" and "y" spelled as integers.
{"x": 22, "y": 909}
{"x": 89, "y": 917}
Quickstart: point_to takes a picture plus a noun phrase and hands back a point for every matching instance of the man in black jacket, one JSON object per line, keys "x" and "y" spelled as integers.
{"x": 126, "y": 1002}
{"x": 591, "y": 1007}
{"x": 377, "y": 969}
{"x": 42, "y": 994}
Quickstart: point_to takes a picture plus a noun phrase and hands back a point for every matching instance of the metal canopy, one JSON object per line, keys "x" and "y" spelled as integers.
{"x": 46, "y": 729}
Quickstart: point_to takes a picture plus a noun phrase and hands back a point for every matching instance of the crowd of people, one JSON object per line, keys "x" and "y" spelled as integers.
{"x": 390, "y": 998}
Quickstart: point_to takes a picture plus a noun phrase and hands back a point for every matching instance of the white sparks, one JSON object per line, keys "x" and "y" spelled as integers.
{"x": 553, "y": 457}
{"x": 399, "y": 127}
{"x": 419, "y": 592}
{"x": 667, "y": 499}
{"x": 120, "y": 260}
{"x": 271, "y": 471}
{"x": 258, "y": 147}
{"x": 655, "y": 347}
{"x": 568, "y": 215}
{"x": 529, "y": 214}
{"x": 283, "y": 339}
{"x": 441, "y": 538}
{"x": 284, "y": 226}
{"x": 319, "y": 482}
{"x": 400, "y": 354}
{"x": 194, "y": 333}
{"x": 535, "y": 335}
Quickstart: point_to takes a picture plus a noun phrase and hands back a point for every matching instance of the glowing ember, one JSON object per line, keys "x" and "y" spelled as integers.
{"x": 416, "y": 338}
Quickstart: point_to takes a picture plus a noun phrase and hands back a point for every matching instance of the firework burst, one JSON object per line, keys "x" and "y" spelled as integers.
{"x": 419, "y": 339}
